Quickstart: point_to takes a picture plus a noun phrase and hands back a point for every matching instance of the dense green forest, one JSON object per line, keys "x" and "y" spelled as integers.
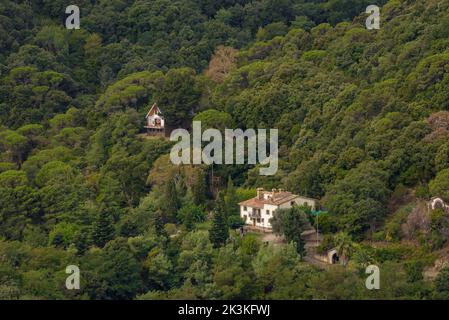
{"x": 363, "y": 119}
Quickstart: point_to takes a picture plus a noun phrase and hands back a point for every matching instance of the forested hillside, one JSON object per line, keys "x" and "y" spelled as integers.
{"x": 363, "y": 119}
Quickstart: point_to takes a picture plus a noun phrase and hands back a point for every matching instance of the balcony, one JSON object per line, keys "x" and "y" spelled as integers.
{"x": 254, "y": 214}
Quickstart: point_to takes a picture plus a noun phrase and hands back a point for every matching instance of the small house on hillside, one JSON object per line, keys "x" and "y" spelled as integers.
{"x": 155, "y": 122}
{"x": 438, "y": 203}
{"x": 258, "y": 211}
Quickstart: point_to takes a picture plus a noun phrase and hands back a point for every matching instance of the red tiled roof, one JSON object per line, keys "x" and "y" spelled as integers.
{"x": 278, "y": 199}
{"x": 253, "y": 203}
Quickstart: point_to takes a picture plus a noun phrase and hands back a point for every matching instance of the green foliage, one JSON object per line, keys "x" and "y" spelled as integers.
{"x": 392, "y": 253}
{"x": 360, "y": 113}
{"x": 103, "y": 229}
{"x": 314, "y": 55}
{"x": 7, "y": 166}
{"x": 414, "y": 270}
{"x": 440, "y": 185}
{"x": 271, "y": 263}
{"x": 439, "y": 224}
{"x": 359, "y": 199}
{"x": 344, "y": 246}
{"x": 271, "y": 30}
{"x": 199, "y": 187}
{"x": 219, "y": 232}
{"x": 326, "y": 222}
{"x": 231, "y": 277}
{"x": 393, "y": 225}
{"x": 214, "y": 119}
{"x": 13, "y": 179}
{"x": 244, "y": 193}
{"x": 171, "y": 201}
{"x": 63, "y": 234}
{"x": 327, "y": 244}
{"x": 159, "y": 269}
{"x": 179, "y": 96}
{"x": 19, "y": 204}
{"x": 442, "y": 157}
{"x": 291, "y": 223}
{"x": 442, "y": 284}
{"x": 13, "y": 144}
{"x": 232, "y": 207}
{"x": 159, "y": 225}
{"x": 113, "y": 273}
{"x": 195, "y": 214}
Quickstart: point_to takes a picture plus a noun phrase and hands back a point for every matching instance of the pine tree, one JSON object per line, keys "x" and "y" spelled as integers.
{"x": 103, "y": 229}
{"x": 232, "y": 207}
{"x": 82, "y": 242}
{"x": 159, "y": 224}
{"x": 188, "y": 221}
{"x": 171, "y": 200}
{"x": 219, "y": 232}
{"x": 199, "y": 187}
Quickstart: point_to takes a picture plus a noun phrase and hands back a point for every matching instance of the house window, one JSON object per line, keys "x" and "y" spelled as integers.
{"x": 268, "y": 212}
{"x": 244, "y": 209}
{"x": 245, "y": 217}
{"x": 258, "y": 220}
{"x": 292, "y": 203}
{"x": 263, "y": 220}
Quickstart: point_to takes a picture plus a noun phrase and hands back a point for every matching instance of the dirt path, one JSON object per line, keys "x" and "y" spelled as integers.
{"x": 315, "y": 262}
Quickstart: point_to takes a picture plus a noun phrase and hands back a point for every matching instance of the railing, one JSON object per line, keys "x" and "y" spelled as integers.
{"x": 255, "y": 214}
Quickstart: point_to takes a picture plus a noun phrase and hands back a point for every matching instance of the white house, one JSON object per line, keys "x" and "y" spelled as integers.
{"x": 258, "y": 211}
{"x": 155, "y": 122}
{"x": 438, "y": 203}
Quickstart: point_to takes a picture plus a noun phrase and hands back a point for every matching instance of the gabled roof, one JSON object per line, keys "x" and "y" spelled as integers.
{"x": 154, "y": 109}
{"x": 278, "y": 199}
{"x": 253, "y": 203}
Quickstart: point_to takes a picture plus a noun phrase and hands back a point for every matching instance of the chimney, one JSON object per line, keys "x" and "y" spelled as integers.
{"x": 280, "y": 190}
{"x": 273, "y": 192}
{"x": 259, "y": 193}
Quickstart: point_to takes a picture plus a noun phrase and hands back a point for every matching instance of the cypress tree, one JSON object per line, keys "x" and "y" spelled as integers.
{"x": 232, "y": 207}
{"x": 82, "y": 242}
{"x": 199, "y": 187}
{"x": 159, "y": 224}
{"x": 219, "y": 232}
{"x": 171, "y": 201}
{"x": 188, "y": 221}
